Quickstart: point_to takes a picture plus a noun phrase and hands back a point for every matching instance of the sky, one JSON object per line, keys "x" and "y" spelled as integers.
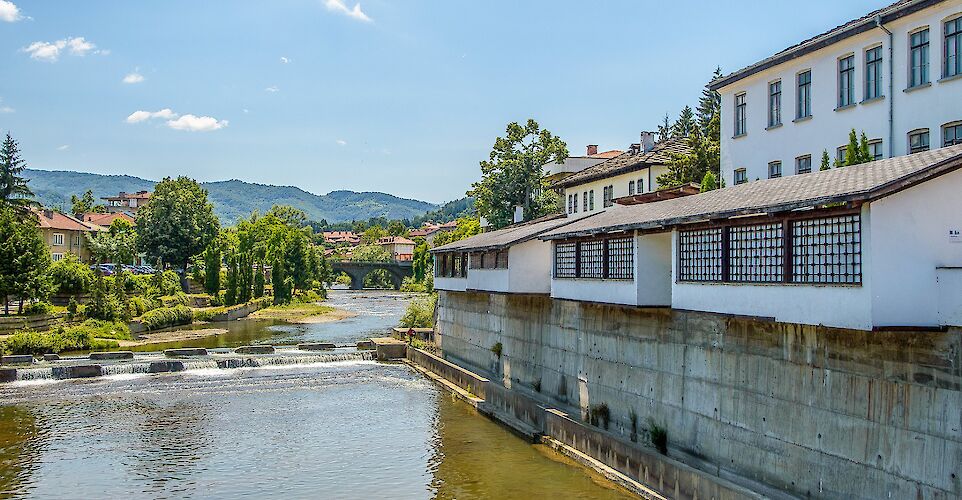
{"x": 404, "y": 97}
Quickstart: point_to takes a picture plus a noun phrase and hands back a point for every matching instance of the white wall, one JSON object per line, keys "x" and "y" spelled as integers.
{"x": 529, "y": 266}
{"x": 620, "y": 185}
{"x": 450, "y": 284}
{"x": 828, "y": 129}
{"x": 653, "y": 269}
{"x": 910, "y": 240}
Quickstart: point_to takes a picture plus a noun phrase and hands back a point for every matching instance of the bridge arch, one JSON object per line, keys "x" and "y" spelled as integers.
{"x": 358, "y": 271}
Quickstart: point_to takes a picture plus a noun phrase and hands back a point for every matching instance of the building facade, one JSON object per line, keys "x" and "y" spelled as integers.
{"x": 65, "y": 235}
{"x": 126, "y": 202}
{"x": 894, "y": 74}
{"x": 571, "y": 165}
{"x": 398, "y": 247}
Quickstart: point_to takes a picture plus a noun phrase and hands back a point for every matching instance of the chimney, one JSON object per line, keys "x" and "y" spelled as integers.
{"x": 48, "y": 213}
{"x": 647, "y": 141}
{"x": 518, "y": 214}
{"x": 592, "y": 149}
{"x": 635, "y": 148}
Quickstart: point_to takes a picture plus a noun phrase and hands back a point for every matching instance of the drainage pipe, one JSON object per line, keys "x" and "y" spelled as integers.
{"x": 891, "y": 97}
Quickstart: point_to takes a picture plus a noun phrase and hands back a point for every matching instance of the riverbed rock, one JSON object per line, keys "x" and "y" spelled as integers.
{"x": 17, "y": 359}
{"x": 77, "y": 371}
{"x": 51, "y": 357}
{"x": 8, "y": 374}
{"x": 316, "y": 346}
{"x": 99, "y": 356}
{"x": 255, "y": 349}
{"x": 186, "y": 351}
{"x": 165, "y": 366}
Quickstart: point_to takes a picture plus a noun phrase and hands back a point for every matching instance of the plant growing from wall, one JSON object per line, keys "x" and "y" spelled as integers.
{"x": 599, "y": 415}
{"x": 496, "y": 349}
{"x": 633, "y": 418}
{"x": 658, "y": 436}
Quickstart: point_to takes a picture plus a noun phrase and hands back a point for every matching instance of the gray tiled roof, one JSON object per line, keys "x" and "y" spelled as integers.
{"x": 511, "y": 235}
{"x": 865, "y": 182}
{"x": 627, "y": 162}
{"x": 854, "y": 27}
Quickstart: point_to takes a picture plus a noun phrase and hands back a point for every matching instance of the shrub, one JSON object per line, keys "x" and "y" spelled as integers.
{"x": 658, "y": 436}
{"x": 497, "y": 348}
{"x": 140, "y": 305}
{"x": 53, "y": 341}
{"x": 178, "y": 298}
{"x": 72, "y": 307}
{"x": 208, "y": 314}
{"x": 165, "y": 317}
{"x": 410, "y": 285}
{"x": 103, "y": 304}
{"x": 69, "y": 275}
{"x": 104, "y": 329}
{"x": 599, "y": 415}
{"x": 139, "y": 284}
{"x": 307, "y": 297}
{"x": 37, "y": 308}
{"x": 420, "y": 313}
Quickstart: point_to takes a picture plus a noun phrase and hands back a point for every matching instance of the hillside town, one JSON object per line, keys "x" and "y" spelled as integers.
{"x": 761, "y": 298}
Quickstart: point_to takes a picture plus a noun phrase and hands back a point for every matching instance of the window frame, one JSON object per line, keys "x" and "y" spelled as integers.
{"x": 881, "y": 152}
{"x": 774, "y": 169}
{"x": 919, "y": 132}
{"x": 798, "y": 164}
{"x": 956, "y": 37}
{"x": 957, "y": 131}
{"x": 846, "y": 81}
{"x": 631, "y": 188}
{"x": 922, "y": 48}
{"x": 744, "y": 176}
{"x": 774, "y": 103}
{"x": 609, "y": 195}
{"x": 601, "y": 250}
{"x": 803, "y": 94}
{"x": 873, "y": 67}
{"x": 741, "y": 114}
{"x": 56, "y": 256}
{"x": 57, "y": 239}
{"x": 591, "y": 199}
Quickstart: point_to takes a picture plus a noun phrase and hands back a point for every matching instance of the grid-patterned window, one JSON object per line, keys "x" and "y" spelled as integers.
{"x": 56, "y": 257}
{"x": 591, "y": 257}
{"x": 875, "y": 149}
{"x": 640, "y": 186}
{"x": 919, "y": 140}
{"x": 840, "y": 153}
{"x": 591, "y": 199}
{"x": 609, "y": 193}
{"x": 827, "y": 250}
{"x": 846, "y": 81}
{"x": 565, "y": 259}
{"x": 803, "y": 164}
{"x": 919, "y": 58}
{"x": 477, "y": 260}
{"x": 953, "y": 48}
{"x": 457, "y": 270}
{"x": 621, "y": 258}
{"x": 741, "y": 176}
{"x": 873, "y": 73}
{"x": 58, "y": 239}
{"x": 631, "y": 188}
{"x": 740, "y": 115}
{"x": 952, "y": 134}
{"x": 584, "y": 201}
{"x": 569, "y": 204}
{"x": 775, "y": 103}
{"x": 755, "y": 253}
{"x": 501, "y": 261}
{"x": 575, "y": 203}
{"x": 804, "y": 99}
{"x": 774, "y": 169}
{"x": 700, "y": 255}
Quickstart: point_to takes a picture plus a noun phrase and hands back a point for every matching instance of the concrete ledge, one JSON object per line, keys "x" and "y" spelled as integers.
{"x": 8, "y": 374}
{"x": 165, "y": 366}
{"x": 365, "y": 345}
{"x": 316, "y": 346}
{"x": 255, "y": 349}
{"x": 230, "y": 363}
{"x": 610, "y": 474}
{"x": 465, "y": 379}
{"x": 389, "y": 348}
{"x": 80, "y": 371}
{"x": 107, "y": 355}
{"x": 51, "y": 357}
{"x": 17, "y": 359}
{"x": 187, "y": 351}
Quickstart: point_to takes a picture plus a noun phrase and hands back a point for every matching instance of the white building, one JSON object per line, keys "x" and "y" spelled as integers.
{"x": 895, "y": 74}
{"x": 631, "y": 173}
{"x": 554, "y": 172}
{"x": 870, "y": 246}
{"x": 509, "y": 260}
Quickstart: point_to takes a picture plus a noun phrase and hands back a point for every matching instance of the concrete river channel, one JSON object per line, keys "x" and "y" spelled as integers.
{"x": 295, "y": 424}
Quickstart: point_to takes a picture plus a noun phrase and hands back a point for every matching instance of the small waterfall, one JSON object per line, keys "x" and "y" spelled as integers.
{"x": 125, "y": 369}
{"x": 307, "y": 359}
{"x": 199, "y": 364}
{"x": 35, "y": 374}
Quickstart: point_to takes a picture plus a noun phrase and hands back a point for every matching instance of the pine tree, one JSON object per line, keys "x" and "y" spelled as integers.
{"x": 852, "y": 156}
{"x": 685, "y": 125}
{"x": 709, "y": 106}
{"x": 826, "y": 165}
{"x": 259, "y": 281}
{"x": 664, "y": 130}
{"x": 708, "y": 182}
{"x": 864, "y": 154}
{"x": 24, "y": 258}
{"x": 13, "y": 188}
{"x": 230, "y": 291}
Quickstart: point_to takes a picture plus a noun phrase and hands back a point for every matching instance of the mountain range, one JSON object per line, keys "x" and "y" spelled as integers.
{"x": 232, "y": 199}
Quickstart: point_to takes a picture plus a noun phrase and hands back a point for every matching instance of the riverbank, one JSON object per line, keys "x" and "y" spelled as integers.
{"x": 303, "y": 313}
{"x": 164, "y": 337}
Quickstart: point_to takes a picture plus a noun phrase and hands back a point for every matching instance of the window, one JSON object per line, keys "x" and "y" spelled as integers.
{"x": 56, "y": 257}
{"x": 489, "y": 260}
{"x": 741, "y": 176}
{"x": 606, "y": 258}
{"x": 875, "y": 149}
{"x": 873, "y": 73}
{"x": 755, "y": 253}
{"x": 919, "y": 70}
{"x": 919, "y": 140}
{"x": 953, "y": 48}
{"x": 804, "y": 106}
{"x": 803, "y": 164}
{"x": 58, "y": 239}
{"x": 631, "y": 188}
{"x": 740, "y": 127}
{"x": 840, "y": 154}
{"x": 775, "y": 103}
{"x": 609, "y": 194}
{"x": 574, "y": 204}
{"x": 584, "y": 201}
{"x": 952, "y": 134}
{"x": 569, "y": 204}
{"x": 451, "y": 265}
{"x": 641, "y": 186}
{"x": 591, "y": 199}
{"x": 774, "y": 169}
{"x": 846, "y": 81}
{"x": 700, "y": 255}
{"x": 827, "y": 250}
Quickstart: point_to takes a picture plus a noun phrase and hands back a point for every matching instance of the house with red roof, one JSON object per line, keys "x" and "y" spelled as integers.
{"x": 399, "y": 247}
{"x": 65, "y": 235}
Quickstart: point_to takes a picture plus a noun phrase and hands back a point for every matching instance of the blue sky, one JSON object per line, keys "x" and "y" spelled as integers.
{"x": 404, "y": 97}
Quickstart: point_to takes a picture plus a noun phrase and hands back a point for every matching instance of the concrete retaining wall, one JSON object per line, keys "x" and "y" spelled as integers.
{"x": 240, "y": 311}
{"x": 40, "y": 322}
{"x": 812, "y": 411}
{"x": 471, "y": 382}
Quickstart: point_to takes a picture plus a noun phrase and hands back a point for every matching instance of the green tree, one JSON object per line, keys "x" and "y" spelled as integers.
{"x": 85, "y": 204}
{"x": 467, "y": 227}
{"x": 396, "y": 228}
{"x": 709, "y": 108}
{"x": 103, "y": 304}
{"x": 708, "y": 182}
{"x": 281, "y": 283}
{"x": 259, "y": 283}
{"x": 120, "y": 296}
{"x": 421, "y": 260}
{"x": 245, "y": 278}
{"x": 685, "y": 125}
{"x": 24, "y": 258}
{"x": 372, "y": 234}
{"x": 826, "y": 162}
{"x": 864, "y": 154}
{"x": 664, "y": 129}
{"x": 177, "y": 223}
{"x": 13, "y": 187}
{"x": 852, "y": 156}
{"x": 370, "y": 253}
{"x": 513, "y": 174}
{"x": 212, "y": 265}
{"x": 230, "y": 290}
{"x": 69, "y": 275}
{"x": 116, "y": 244}
{"x": 704, "y": 156}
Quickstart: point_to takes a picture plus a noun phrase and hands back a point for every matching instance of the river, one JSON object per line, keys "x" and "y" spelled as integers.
{"x": 352, "y": 429}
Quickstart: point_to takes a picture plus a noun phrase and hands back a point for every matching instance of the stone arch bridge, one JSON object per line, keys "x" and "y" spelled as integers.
{"x": 397, "y": 270}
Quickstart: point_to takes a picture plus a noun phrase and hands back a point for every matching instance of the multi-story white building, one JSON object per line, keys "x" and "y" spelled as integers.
{"x": 571, "y": 165}
{"x": 894, "y": 74}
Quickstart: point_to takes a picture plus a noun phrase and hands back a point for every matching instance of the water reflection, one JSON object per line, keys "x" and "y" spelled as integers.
{"x": 21, "y": 443}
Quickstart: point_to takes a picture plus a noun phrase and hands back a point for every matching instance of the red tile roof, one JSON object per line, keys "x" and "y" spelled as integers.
{"x": 395, "y": 240}
{"x": 55, "y": 220}
{"x": 106, "y": 219}
{"x": 607, "y": 154}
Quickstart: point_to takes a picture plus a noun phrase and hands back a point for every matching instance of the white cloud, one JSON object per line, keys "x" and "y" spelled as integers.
{"x": 134, "y": 77}
{"x": 64, "y": 147}
{"x": 284, "y": 60}
{"x": 4, "y": 108}
{"x": 194, "y": 123}
{"x": 50, "y": 51}
{"x": 341, "y": 142}
{"x": 139, "y": 116}
{"x": 339, "y": 7}
{"x": 9, "y": 12}
{"x": 246, "y": 111}
{"x": 272, "y": 89}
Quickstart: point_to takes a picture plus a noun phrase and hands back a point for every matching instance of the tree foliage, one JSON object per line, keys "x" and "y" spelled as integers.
{"x": 685, "y": 125}
{"x": 702, "y": 134}
{"x": 24, "y": 258}
{"x": 177, "y": 223}
{"x": 117, "y": 244}
{"x": 826, "y": 161}
{"x": 85, "y": 204}
{"x": 513, "y": 174}
{"x": 467, "y": 226}
{"x": 421, "y": 260}
{"x": 13, "y": 187}
{"x": 69, "y": 275}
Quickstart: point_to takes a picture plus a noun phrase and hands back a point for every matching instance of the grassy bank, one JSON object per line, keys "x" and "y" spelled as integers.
{"x": 301, "y": 313}
{"x": 89, "y": 335}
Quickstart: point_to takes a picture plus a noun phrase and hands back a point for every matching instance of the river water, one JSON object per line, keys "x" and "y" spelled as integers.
{"x": 351, "y": 429}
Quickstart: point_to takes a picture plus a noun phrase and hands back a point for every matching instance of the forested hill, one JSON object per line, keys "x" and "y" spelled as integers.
{"x": 233, "y": 199}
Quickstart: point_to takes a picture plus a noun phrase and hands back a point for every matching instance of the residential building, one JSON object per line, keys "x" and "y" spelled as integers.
{"x": 429, "y": 230}
{"x": 126, "y": 202}
{"x": 894, "y": 74}
{"x": 105, "y": 220}
{"x": 870, "y": 246}
{"x": 398, "y": 247}
{"x": 571, "y": 165}
{"x": 339, "y": 237}
{"x": 64, "y": 235}
{"x": 508, "y": 260}
{"x": 633, "y": 172}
